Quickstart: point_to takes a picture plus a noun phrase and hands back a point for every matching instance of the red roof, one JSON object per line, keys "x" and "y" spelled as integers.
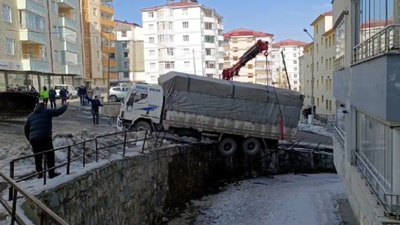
{"x": 246, "y": 32}
{"x": 126, "y": 22}
{"x": 289, "y": 42}
{"x": 182, "y": 4}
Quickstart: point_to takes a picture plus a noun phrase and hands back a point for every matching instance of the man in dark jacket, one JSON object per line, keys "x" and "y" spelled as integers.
{"x": 38, "y": 130}
{"x": 63, "y": 95}
{"x": 52, "y": 98}
{"x": 95, "y": 108}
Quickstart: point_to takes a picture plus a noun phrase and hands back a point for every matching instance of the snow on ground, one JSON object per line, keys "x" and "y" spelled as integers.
{"x": 316, "y": 129}
{"x": 283, "y": 200}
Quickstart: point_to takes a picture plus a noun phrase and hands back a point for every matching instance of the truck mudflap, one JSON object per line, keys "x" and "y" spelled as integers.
{"x": 120, "y": 124}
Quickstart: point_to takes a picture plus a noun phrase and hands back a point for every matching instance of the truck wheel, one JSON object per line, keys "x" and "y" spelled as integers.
{"x": 227, "y": 146}
{"x": 251, "y": 146}
{"x": 141, "y": 126}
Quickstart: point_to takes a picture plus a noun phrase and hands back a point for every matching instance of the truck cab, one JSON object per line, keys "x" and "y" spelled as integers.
{"x": 142, "y": 108}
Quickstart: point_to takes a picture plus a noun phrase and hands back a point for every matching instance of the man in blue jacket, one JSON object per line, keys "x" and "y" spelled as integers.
{"x": 95, "y": 108}
{"x": 38, "y": 130}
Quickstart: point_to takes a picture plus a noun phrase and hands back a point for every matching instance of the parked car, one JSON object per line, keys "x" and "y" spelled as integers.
{"x": 118, "y": 93}
{"x": 72, "y": 92}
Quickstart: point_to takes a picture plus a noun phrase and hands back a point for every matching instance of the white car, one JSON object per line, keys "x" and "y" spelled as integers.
{"x": 72, "y": 92}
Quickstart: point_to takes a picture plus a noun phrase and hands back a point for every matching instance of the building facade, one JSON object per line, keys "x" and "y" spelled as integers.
{"x": 236, "y": 43}
{"x": 366, "y": 88}
{"x": 130, "y": 52}
{"x": 289, "y": 51}
{"x": 42, "y": 43}
{"x": 322, "y": 52}
{"x": 182, "y": 36}
{"x": 99, "y": 42}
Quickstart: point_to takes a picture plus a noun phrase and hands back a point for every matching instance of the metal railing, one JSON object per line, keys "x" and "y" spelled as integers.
{"x": 389, "y": 201}
{"x": 385, "y": 41}
{"x": 339, "y": 63}
{"x": 90, "y": 150}
{"x": 339, "y": 136}
{"x": 45, "y": 215}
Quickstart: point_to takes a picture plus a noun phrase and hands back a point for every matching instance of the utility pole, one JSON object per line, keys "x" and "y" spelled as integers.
{"x": 194, "y": 63}
{"x": 108, "y": 70}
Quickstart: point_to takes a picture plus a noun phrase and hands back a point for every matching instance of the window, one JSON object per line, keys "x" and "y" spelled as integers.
{"x": 209, "y": 38}
{"x": 169, "y": 64}
{"x": 210, "y": 64}
{"x": 294, "y": 55}
{"x": 10, "y": 46}
{"x": 235, "y": 49}
{"x": 295, "y": 68}
{"x": 151, "y": 26}
{"x": 235, "y": 58}
{"x": 250, "y": 75}
{"x": 126, "y": 74}
{"x": 124, "y": 44}
{"x": 294, "y": 61}
{"x": 208, "y": 26}
{"x": 152, "y": 52}
{"x": 152, "y": 65}
{"x": 186, "y": 51}
{"x": 170, "y": 51}
{"x": 126, "y": 65}
{"x": 112, "y": 55}
{"x": 187, "y": 64}
{"x": 185, "y": 37}
{"x": 98, "y": 54}
{"x": 250, "y": 66}
{"x": 150, "y": 14}
{"x": 185, "y": 24}
{"x": 123, "y": 33}
{"x": 7, "y": 16}
{"x": 322, "y": 97}
{"x": 94, "y": 10}
{"x": 185, "y": 11}
{"x": 295, "y": 82}
{"x": 209, "y": 75}
{"x": 210, "y": 51}
{"x": 125, "y": 54}
{"x": 151, "y": 40}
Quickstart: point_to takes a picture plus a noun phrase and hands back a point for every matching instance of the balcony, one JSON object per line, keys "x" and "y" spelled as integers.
{"x": 113, "y": 63}
{"x": 107, "y": 9}
{"x": 32, "y": 36}
{"x": 339, "y": 63}
{"x": 34, "y": 6}
{"x": 108, "y": 50}
{"x": 109, "y": 36}
{"x": 66, "y": 22}
{"x": 35, "y": 64}
{"x": 68, "y": 3}
{"x": 71, "y": 47}
{"x": 384, "y": 42}
{"x": 73, "y": 69}
{"x": 107, "y": 22}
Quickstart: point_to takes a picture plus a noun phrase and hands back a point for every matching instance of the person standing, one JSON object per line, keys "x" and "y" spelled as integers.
{"x": 44, "y": 95}
{"x": 52, "y": 98}
{"x": 63, "y": 95}
{"x": 95, "y": 108}
{"x": 38, "y": 131}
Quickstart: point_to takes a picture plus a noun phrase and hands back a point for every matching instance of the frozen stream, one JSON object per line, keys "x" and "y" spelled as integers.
{"x": 310, "y": 199}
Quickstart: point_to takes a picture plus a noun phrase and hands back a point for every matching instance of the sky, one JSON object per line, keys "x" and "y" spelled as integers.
{"x": 286, "y": 19}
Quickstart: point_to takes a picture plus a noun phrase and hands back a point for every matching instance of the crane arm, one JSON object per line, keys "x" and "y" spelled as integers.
{"x": 257, "y": 48}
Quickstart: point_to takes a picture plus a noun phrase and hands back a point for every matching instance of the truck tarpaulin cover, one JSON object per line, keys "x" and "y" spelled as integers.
{"x": 229, "y": 99}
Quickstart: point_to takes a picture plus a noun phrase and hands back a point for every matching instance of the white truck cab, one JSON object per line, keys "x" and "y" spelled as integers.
{"x": 142, "y": 107}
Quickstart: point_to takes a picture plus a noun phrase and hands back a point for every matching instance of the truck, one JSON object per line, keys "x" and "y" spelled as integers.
{"x": 234, "y": 114}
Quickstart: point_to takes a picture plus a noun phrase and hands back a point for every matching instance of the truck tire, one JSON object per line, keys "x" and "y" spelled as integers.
{"x": 251, "y": 146}
{"x": 227, "y": 146}
{"x": 141, "y": 126}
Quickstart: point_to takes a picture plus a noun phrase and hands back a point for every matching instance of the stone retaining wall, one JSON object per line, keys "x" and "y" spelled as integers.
{"x": 143, "y": 189}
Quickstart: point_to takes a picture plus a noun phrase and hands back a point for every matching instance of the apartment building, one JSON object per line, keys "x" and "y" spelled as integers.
{"x": 366, "y": 88}
{"x": 236, "y": 43}
{"x": 183, "y": 36}
{"x": 130, "y": 52}
{"x": 288, "y": 51}
{"x": 99, "y": 42}
{"x": 322, "y": 52}
{"x": 41, "y": 43}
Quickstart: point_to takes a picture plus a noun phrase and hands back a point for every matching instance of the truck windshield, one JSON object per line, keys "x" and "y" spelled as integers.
{"x": 134, "y": 97}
